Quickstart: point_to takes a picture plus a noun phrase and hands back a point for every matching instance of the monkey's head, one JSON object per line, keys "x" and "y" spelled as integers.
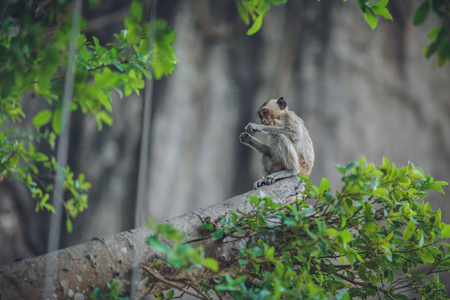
{"x": 270, "y": 112}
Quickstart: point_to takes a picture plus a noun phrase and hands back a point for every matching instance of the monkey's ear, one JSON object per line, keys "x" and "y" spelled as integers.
{"x": 281, "y": 103}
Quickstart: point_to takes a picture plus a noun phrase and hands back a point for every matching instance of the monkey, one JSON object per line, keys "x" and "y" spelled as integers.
{"x": 289, "y": 150}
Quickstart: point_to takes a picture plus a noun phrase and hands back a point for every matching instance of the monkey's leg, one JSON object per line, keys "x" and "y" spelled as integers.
{"x": 266, "y": 166}
{"x": 285, "y": 162}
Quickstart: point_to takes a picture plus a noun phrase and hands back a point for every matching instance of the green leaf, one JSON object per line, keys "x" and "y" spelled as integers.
{"x": 42, "y": 118}
{"x": 380, "y": 192}
{"x": 13, "y": 160}
{"x": 157, "y": 245}
{"x": 211, "y": 264}
{"x": 445, "y": 233}
{"x": 256, "y": 25}
{"x": 136, "y": 11}
{"x": 346, "y": 236}
{"x": 56, "y": 121}
{"x": 427, "y": 257}
{"x": 434, "y": 186}
{"x": 362, "y": 161}
{"x": 382, "y": 11}
{"x": 170, "y": 294}
{"x": 324, "y": 186}
{"x": 370, "y": 227}
{"x": 421, "y": 13}
{"x": 69, "y": 225}
{"x": 243, "y": 12}
{"x": 431, "y": 49}
{"x": 421, "y": 240}
{"x": 371, "y": 18}
{"x": 342, "y": 295}
{"x": 385, "y": 164}
{"x": 400, "y": 297}
{"x": 409, "y": 230}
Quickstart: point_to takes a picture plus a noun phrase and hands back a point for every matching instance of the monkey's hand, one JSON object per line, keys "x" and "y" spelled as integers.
{"x": 252, "y": 127}
{"x": 245, "y": 138}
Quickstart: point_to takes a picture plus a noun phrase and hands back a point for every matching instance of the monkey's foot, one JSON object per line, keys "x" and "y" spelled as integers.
{"x": 259, "y": 183}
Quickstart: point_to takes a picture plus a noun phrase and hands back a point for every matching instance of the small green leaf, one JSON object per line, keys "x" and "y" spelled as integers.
{"x": 426, "y": 256}
{"x": 431, "y": 48}
{"x": 362, "y": 161}
{"x": 170, "y": 294}
{"x": 371, "y": 18}
{"x": 13, "y": 160}
{"x": 136, "y": 11}
{"x": 69, "y": 225}
{"x": 370, "y": 227}
{"x": 445, "y": 233}
{"x": 324, "y": 186}
{"x": 386, "y": 164}
{"x": 56, "y": 121}
{"x": 421, "y": 13}
{"x": 42, "y": 118}
{"x": 400, "y": 297}
{"x": 157, "y": 245}
{"x": 256, "y": 25}
{"x": 211, "y": 264}
{"x": 380, "y": 192}
{"x": 346, "y": 236}
{"x": 421, "y": 241}
{"x": 243, "y": 12}
{"x": 409, "y": 230}
{"x": 382, "y": 11}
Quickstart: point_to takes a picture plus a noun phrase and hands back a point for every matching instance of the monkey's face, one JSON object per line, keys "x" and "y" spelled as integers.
{"x": 266, "y": 116}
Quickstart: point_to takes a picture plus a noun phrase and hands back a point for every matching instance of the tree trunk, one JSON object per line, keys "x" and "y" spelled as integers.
{"x": 80, "y": 269}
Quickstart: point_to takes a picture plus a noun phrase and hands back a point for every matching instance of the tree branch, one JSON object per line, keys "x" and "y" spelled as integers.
{"x": 82, "y": 268}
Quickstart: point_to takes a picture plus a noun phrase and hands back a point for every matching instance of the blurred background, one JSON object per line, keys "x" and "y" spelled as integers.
{"x": 360, "y": 92}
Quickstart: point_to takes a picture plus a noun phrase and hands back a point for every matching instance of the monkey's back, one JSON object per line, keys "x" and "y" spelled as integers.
{"x": 294, "y": 152}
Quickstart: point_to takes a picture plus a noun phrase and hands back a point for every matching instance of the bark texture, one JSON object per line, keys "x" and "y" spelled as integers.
{"x": 80, "y": 269}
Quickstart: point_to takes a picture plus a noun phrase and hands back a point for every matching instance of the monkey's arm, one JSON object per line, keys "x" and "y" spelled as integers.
{"x": 249, "y": 140}
{"x": 271, "y": 130}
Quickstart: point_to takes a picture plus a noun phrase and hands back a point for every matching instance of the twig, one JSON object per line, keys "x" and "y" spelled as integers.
{"x": 200, "y": 291}
{"x": 387, "y": 293}
{"x": 172, "y": 284}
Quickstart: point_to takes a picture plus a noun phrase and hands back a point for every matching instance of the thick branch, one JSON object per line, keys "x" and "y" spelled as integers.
{"x": 82, "y": 268}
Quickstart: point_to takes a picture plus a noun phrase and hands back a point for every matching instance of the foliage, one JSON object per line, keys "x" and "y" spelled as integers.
{"x": 366, "y": 239}
{"x": 253, "y": 11}
{"x": 112, "y": 295}
{"x": 178, "y": 254}
{"x": 439, "y": 35}
{"x": 34, "y": 41}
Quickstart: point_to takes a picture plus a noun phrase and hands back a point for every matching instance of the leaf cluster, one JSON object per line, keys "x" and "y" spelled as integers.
{"x": 254, "y": 11}
{"x": 170, "y": 242}
{"x": 366, "y": 239}
{"x": 34, "y": 42}
{"x": 371, "y": 10}
{"x": 113, "y": 293}
{"x": 439, "y": 35}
